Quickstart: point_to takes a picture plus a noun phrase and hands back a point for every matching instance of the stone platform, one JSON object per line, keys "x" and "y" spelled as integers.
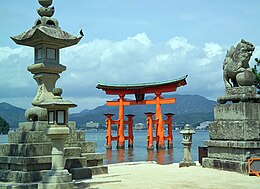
{"x": 235, "y": 133}
{"x": 27, "y": 156}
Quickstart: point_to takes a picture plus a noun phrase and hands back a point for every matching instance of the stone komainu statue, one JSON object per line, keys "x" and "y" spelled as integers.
{"x": 236, "y": 65}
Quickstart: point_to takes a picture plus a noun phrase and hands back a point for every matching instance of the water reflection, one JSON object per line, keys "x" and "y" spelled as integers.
{"x": 160, "y": 156}
{"x": 127, "y": 155}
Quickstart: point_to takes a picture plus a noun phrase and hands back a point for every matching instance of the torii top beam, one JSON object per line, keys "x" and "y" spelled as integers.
{"x": 142, "y": 88}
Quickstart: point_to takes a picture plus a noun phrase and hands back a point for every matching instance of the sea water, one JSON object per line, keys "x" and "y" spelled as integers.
{"x": 139, "y": 151}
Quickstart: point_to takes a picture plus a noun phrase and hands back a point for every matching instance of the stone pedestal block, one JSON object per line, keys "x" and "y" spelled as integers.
{"x": 27, "y": 156}
{"x": 237, "y": 111}
{"x": 235, "y": 130}
{"x": 228, "y": 165}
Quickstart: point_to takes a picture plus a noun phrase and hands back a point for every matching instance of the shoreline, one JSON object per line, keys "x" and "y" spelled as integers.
{"x": 152, "y": 175}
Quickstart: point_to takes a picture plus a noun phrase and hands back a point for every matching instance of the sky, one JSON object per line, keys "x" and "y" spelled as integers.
{"x": 129, "y": 41}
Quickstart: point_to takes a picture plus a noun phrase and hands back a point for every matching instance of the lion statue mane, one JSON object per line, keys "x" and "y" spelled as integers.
{"x": 236, "y": 65}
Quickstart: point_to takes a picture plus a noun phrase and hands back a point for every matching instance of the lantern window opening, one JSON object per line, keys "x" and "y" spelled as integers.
{"x": 50, "y": 23}
{"x": 51, "y": 117}
{"x": 38, "y": 22}
{"x": 60, "y": 117}
{"x": 51, "y": 53}
{"x": 39, "y": 54}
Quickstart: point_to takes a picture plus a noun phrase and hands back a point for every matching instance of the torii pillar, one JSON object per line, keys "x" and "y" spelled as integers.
{"x": 160, "y": 127}
{"x": 120, "y": 134}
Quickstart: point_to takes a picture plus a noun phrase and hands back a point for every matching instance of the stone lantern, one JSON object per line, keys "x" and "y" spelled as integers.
{"x": 187, "y": 141}
{"x": 47, "y": 38}
{"x": 57, "y": 131}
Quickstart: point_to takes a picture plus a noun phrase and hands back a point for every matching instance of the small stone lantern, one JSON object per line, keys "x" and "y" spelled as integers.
{"x": 57, "y": 131}
{"x": 187, "y": 141}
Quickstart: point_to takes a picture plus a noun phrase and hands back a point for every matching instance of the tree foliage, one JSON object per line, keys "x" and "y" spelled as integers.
{"x": 4, "y": 126}
{"x": 257, "y": 75}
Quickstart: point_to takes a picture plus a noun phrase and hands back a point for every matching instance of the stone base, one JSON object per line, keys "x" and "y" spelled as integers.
{"x": 81, "y": 173}
{"x": 233, "y": 150}
{"x": 227, "y": 165}
{"x": 69, "y": 185}
{"x": 237, "y": 94}
{"x": 186, "y": 164}
{"x": 18, "y": 185}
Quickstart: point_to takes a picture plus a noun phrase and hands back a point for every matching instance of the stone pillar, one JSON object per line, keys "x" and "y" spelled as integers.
{"x": 57, "y": 177}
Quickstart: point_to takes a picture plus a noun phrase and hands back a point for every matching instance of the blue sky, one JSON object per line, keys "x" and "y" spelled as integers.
{"x": 128, "y": 42}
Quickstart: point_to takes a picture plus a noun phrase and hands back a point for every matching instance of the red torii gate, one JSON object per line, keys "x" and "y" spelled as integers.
{"x": 139, "y": 90}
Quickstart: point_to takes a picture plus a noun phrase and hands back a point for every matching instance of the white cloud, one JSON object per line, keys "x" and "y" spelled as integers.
{"x": 212, "y": 49}
{"x": 180, "y": 44}
{"x": 133, "y": 60}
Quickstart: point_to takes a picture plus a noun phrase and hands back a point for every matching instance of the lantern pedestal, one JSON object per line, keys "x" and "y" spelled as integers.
{"x": 57, "y": 177}
{"x": 187, "y": 160}
{"x": 187, "y": 141}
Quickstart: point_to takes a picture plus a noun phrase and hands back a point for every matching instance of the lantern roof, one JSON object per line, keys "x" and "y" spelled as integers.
{"x": 46, "y": 30}
{"x": 187, "y": 130}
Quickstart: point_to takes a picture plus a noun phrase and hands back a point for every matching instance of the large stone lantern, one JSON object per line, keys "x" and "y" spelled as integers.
{"x": 57, "y": 131}
{"x": 47, "y": 38}
{"x": 187, "y": 141}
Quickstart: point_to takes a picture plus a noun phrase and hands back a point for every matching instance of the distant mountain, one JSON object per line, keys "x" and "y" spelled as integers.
{"x": 13, "y": 115}
{"x": 191, "y": 109}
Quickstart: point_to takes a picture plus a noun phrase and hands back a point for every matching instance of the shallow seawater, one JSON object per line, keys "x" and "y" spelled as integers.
{"x": 139, "y": 151}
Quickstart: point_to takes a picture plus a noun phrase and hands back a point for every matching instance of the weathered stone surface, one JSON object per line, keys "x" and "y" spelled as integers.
{"x": 81, "y": 173}
{"x": 233, "y": 144}
{"x": 27, "y": 137}
{"x": 228, "y": 165}
{"x": 25, "y": 149}
{"x": 4, "y": 185}
{"x": 237, "y": 111}
{"x": 242, "y": 90}
{"x": 25, "y": 160}
{"x": 33, "y": 126}
{"x": 21, "y": 176}
{"x": 97, "y": 170}
{"x": 72, "y": 151}
{"x": 75, "y": 162}
{"x": 93, "y": 156}
{"x": 235, "y": 130}
{"x": 81, "y": 136}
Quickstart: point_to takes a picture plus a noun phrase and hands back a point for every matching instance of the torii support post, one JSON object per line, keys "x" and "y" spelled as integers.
{"x": 130, "y": 130}
{"x": 149, "y": 130}
{"x": 169, "y": 123}
{"x": 160, "y": 127}
{"x": 109, "y": 130}
{"x": 120, "y": 134}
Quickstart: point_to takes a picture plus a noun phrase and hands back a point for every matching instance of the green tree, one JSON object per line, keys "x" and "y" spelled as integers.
{"x": 257, "y": 75}
{"x": 4, "y": 126}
